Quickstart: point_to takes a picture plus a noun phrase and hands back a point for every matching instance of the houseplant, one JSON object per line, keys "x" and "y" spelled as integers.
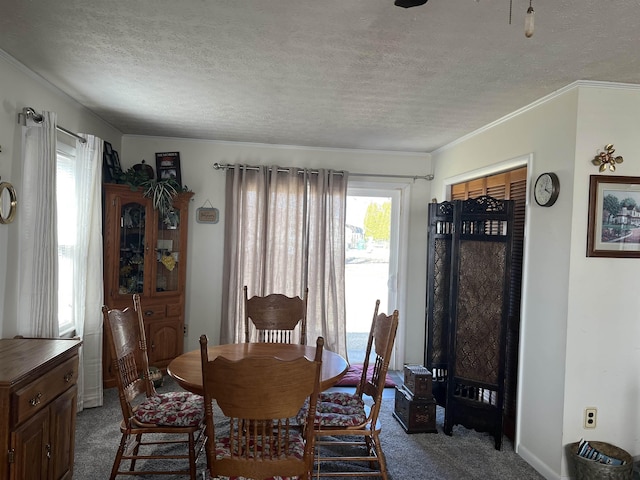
{"x": 161, "y": 191}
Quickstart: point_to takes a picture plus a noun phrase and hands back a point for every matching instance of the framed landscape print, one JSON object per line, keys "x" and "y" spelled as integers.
{"x": 168, "y": 165}
{"x": 614, "y": 217}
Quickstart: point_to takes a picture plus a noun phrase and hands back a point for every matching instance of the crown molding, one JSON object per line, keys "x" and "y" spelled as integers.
{"x": 398, "y": 153}
{"x": 22, "y": 68}
{"x": 553, "y": 95}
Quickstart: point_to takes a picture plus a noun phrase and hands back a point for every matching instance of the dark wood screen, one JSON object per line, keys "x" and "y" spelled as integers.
{"x": 438, "y": 284}
{"x": 479, "y": 294}
{"x": 511, "y": 185}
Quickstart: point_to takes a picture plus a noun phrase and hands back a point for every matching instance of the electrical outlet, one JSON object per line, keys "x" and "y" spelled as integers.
{"x": 185, "y": 329}
{"x": 590, "y": 416}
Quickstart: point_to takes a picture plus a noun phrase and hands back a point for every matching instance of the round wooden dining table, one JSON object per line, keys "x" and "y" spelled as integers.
{"x": 186, "y": 369}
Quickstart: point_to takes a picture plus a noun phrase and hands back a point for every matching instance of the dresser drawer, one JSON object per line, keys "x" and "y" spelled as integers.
{"x": 153, "y": 312}
{"x": 36, "y": 395}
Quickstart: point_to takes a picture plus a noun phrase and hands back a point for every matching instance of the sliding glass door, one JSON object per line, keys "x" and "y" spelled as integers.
{"x": 371, "y": 257}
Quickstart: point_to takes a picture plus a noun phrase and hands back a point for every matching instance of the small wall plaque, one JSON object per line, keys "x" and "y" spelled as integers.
{"x": 207, "y": 215}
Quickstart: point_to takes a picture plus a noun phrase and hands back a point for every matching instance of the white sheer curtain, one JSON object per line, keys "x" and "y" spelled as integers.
{"x": 270, "y": 217}
{"x": 87, "y": 262}
{"x": 37, "y": 224}
{"x": 38, "y": 290}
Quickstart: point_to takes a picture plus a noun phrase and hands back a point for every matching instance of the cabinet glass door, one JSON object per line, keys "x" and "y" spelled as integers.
{"x": 168, "y": 252}
{"x": 132, "y": 248}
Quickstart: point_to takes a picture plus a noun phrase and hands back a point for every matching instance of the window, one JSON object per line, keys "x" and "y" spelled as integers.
{"x": 67, "y": 226}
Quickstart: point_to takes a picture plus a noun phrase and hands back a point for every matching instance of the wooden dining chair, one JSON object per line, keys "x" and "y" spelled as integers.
{"x": 276, "y": 318}
{"x": 344, "y": 414}
{"x": 177, "y": 416}
{"x": 259, "y": 395}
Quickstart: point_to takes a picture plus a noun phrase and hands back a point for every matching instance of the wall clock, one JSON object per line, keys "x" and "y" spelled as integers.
{"x": 546, "y": 189}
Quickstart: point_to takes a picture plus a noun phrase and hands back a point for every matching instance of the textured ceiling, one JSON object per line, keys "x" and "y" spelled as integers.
{"x": 326, "y": 73}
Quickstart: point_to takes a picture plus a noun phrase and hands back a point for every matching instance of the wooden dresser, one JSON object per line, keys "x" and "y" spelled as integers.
{"x": 38, "y": 407}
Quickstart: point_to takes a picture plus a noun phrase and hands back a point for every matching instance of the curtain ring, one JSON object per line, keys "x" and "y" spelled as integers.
{"x": 13, "y": 202}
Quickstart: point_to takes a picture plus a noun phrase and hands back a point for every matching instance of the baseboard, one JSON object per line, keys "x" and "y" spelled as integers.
{"x": 541, "y": 467}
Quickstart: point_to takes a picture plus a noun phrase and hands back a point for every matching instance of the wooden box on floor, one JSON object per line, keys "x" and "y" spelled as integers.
{"x": 415, "y": 415}
{"x": 417, "y": 379}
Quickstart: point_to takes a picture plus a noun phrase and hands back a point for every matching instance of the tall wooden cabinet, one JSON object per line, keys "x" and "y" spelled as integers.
{"x": 38, "y": 395}
{"x": 146, "y": 254}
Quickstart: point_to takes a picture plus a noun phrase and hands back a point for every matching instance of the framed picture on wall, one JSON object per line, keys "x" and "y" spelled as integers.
{"x": 614, "y": 217}
{"x": 168, "y": 166}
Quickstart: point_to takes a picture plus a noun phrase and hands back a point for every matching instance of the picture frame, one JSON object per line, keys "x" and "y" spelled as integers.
{"x": 116, "y": 160}
{"x": 614, "y": 216}
{"x": 108, "y": 171}
{"x": 168, "y": 165}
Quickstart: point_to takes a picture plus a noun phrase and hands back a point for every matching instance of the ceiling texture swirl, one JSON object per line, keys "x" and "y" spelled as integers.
{"x": 358, "y": 74}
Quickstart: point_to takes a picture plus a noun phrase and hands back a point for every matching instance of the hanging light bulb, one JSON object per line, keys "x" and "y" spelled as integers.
{"x": 528, "y": 22}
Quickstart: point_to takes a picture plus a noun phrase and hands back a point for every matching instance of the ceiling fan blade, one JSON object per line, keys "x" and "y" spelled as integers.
{"x": 409, "y": 3}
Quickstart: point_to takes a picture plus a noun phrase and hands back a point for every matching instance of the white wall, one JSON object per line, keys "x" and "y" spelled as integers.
{"x": 21, "y": 88}
{"x": 205, "y": 255}
{"x": 603, "y": 329}
{"x": 578, "y": 347}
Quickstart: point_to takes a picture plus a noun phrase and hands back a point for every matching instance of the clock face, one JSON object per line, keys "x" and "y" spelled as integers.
{"x": 546, "y": 189}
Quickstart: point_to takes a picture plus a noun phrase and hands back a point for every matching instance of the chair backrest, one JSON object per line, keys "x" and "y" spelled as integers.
{"x": 127, "y": 342}
{"x": 276, "y": 317}
{"x": 381, "y": 338}
{"x": 260, "y": 395}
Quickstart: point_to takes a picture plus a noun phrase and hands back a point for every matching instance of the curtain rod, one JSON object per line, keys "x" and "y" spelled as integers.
{"x": 30, "y": 112}
{"x": 218, "y": 166}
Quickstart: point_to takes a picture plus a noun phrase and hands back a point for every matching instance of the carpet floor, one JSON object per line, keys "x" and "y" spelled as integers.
{"x": 423, "y": 456}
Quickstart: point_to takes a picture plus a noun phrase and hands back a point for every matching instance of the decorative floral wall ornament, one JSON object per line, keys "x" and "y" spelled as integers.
{"x": 606, "y": 158}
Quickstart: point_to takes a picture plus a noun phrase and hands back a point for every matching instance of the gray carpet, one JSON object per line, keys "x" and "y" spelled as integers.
{"x": 426, "y": 456}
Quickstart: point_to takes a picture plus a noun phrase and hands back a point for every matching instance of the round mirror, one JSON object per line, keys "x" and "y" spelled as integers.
{"x": 8, "y": 202}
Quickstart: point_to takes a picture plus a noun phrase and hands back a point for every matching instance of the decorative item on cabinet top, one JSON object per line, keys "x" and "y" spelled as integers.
{"x": 161, "y": 190}
{"x": 168, "y": 167}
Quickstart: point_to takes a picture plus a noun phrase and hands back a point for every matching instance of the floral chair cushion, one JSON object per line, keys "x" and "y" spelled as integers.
{"x": 350, "y": 412}
{"x": 341, "y": 398}
{"x": 223, "y": 450}
{"x": 172, "y": 409}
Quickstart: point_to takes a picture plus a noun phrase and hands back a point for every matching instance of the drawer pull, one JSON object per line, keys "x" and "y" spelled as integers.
{"x": 35, "y": 400}
{"x": 148, "y": 313}
{"x": 68, "y": 377}
{"x": 48, "y": 448}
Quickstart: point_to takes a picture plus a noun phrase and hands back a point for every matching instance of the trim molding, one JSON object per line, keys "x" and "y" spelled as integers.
{"x": 424, "y": 155}
{"x": 567, "y": 88}
{"x": 22, "y": 68}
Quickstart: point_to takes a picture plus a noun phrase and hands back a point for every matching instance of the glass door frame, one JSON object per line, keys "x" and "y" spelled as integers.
{"x": 398, "y": 246}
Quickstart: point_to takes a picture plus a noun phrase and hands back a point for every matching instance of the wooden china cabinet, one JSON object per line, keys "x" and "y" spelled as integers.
{"x": 146, "y": 254}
